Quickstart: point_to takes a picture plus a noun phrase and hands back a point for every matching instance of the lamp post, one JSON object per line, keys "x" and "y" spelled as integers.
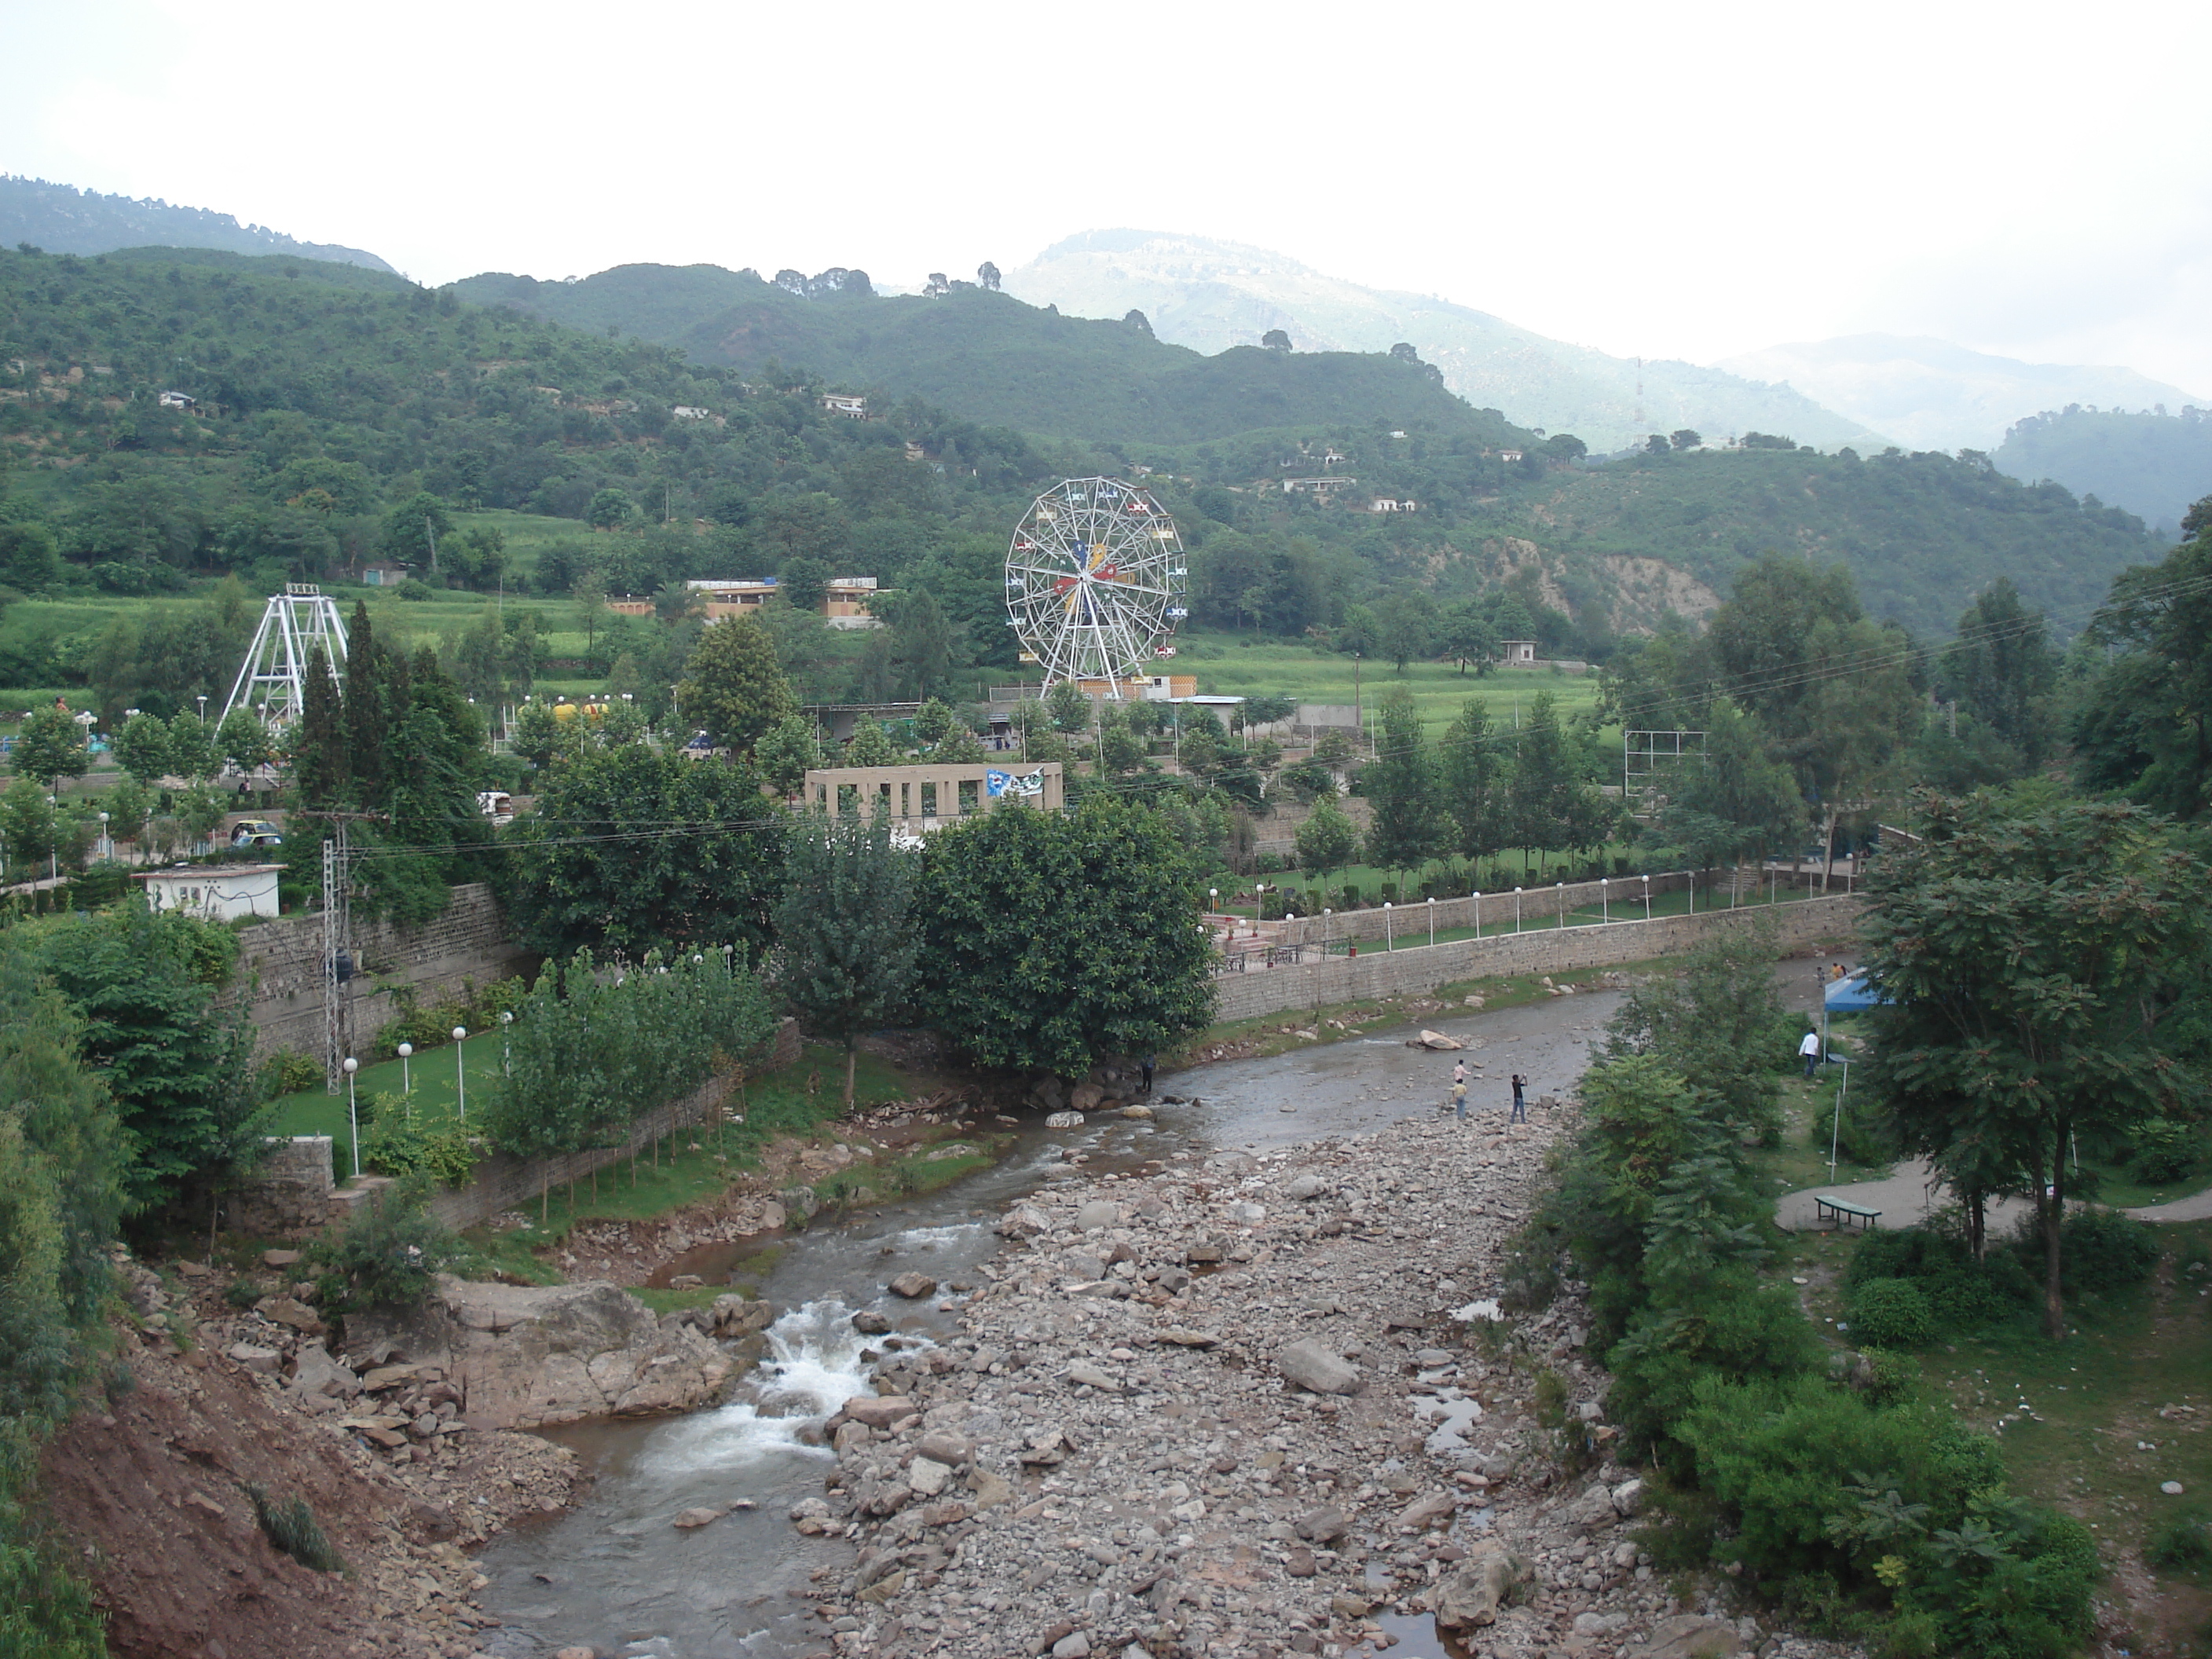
{"x": 1604, "y": 907}
{"x": 1326, "y": 912}
{"x": 1213, "y": 906}
{"x": 507, "y": 1041}
{"x": 1562, "y": 888}
{"x": 461, "y": 1070}
{"x": 1516, "y": 909}
{"x": 1387, "y": 944}
{"x": 107, "y": 847}
{"x": 1836, "y": 1129}
{"x": 1647, "y": 898}
{"x": 1432, "y": 918}
{"x": 406, "y": 1072}
{"x": 1478, "y": 913}
{"x": 353, "y": 1114}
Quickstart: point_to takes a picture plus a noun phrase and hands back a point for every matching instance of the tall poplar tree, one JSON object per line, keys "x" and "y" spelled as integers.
{"x": 1473, "y": 771}
{"x": 846, "y": 942}
{"x": 321, "y": 756}
{"x": 1400, "y": 784}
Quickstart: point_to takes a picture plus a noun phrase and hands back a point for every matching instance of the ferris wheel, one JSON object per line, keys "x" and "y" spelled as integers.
{"x": 1095, "y": 581}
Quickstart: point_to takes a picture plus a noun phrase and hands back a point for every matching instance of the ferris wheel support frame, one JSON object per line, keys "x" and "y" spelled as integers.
{"x": 272, "y": 681}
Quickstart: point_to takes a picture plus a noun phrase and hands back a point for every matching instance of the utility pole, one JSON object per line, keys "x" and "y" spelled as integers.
{"x": 430, "y": 535}
{"x": 337, "y": 958}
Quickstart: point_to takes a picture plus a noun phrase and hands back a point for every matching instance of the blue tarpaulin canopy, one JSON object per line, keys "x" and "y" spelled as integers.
{"x": 1849, "y": 996}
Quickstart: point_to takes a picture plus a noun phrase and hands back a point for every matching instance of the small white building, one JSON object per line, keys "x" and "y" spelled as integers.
{"x": 178, "y": 400}
{"x": 690, "y": 412}
{"x": 213, "y": 892}
{"x": 840, "y": 403}
{"x": 1517, "y": 654}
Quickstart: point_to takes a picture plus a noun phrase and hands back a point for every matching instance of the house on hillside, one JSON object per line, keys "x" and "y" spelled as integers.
{"x": 690, "y": 412}
{"x": 840, "y": 403}
{"x": 845, "y": 604}
{"x": 1509, "y": 454}
{"x": 1325, "y": 488}
{"x": 1393, "y": 504}
{"x": 179, "y": 400}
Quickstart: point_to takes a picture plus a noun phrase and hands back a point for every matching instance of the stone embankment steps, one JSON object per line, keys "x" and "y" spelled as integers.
{"x": 1247, "y": 1405}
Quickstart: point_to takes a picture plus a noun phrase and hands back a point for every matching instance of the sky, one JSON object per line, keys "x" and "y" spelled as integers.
{"x": 1680, "y": 181}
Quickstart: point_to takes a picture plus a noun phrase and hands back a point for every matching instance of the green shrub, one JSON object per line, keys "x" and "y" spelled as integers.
{"x": 289, "y": 1072}
{"x": 292, "y": 1527}
{"x": 385, "y": 1256}
{"x": 1890, "y": 1313}
{"x": 1963, "y": 1294}
{"x": 401, "y": 1141}
{"x": 241, "y": 1293}
{"x": 2165, "y": 1150}
{"x": 2180, "y": 1545}
{"x": 1733, "y": 1327}
{"x": 2100, "y": 1249}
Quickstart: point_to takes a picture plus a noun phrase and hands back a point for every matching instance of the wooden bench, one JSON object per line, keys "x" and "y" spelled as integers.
{"x": 1842, "y": 1211}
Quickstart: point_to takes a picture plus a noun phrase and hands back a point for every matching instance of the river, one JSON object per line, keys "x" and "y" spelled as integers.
{"x": 613, "y": 1574}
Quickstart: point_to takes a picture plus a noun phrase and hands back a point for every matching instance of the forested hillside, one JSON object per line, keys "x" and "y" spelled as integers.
{"x": 996, "y": 360}
{"x": 1922, "y": 532}
{"x": 2158, "y": 466}
{"x": 63, "y": 219}
{"x": 343, "y": 418}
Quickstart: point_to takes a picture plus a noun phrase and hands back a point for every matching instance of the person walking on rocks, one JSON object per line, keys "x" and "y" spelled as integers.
{"x": 1809, "y": 1051}
{"x": 1459, "y": 1094}
{"x": 1146, "y": 1065}
{"x": 1520, "y": 1103}
{"x": 1459, "y": 1071}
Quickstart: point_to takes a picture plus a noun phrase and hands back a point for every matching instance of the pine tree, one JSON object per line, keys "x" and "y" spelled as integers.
{"x": 369, "y": 718}
{"x": 1474, "y": 779}
{"x": 321, "y": 768}
{"x": 733, "y": 689}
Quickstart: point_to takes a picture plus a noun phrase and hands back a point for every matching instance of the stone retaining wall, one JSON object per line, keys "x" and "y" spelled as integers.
{"x": 281, "y": 969}
{"x": 289, "y": 1193}
{"x": 1411, "y": 970}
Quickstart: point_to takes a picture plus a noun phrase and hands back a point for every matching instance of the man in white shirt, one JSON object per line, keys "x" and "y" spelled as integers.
{"x": 1809, "y": 1051}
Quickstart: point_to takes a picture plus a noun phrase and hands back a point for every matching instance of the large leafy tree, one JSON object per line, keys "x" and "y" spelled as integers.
{"x": 631, "y": 847}
{"x": 141, "y": 747}
{"x": 1327, "y": 839}
{"x": 50, "y": 746}
{"x": 845, "y": 938}
{"x": 2002, "y": 671}
{"x": 2028, "y": 955}
{"x": 175, "y": 1057}
{"x": 733, "y": 688}
{"x": 1733, "y": 802}
{"x": 1055, "y": 940}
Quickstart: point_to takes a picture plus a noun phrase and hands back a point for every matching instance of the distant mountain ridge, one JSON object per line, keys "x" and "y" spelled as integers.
{"x": 1931, "y": 394}
{"x": 62, "y": 219}
{"x": 2157, "y": 466}
{"x": 1212, "y": 295}
{"x": 994, "y": 359}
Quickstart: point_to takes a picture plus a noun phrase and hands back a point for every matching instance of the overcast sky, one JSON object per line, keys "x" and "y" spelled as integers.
{"x": 1670, "y": 180}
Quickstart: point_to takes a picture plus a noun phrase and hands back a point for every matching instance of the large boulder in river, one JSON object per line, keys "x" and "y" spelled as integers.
{"x": 1309, "y": 1364}
{"x": 528, "y": 1355}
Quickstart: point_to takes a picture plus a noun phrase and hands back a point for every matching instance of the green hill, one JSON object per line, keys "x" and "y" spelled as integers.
{"x": 991, "y": 358}
{"x": 2158, "y": 466}
{"x": 62, "y": 219}
{"x": 1922, "y": 533}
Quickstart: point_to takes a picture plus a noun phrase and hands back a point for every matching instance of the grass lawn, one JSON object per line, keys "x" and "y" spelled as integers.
{"x": 1229, "y": 664}
{"x": 778, "y": 1101}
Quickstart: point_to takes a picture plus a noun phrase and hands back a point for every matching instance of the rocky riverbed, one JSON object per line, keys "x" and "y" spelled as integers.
{"x": 1252, "y": 1405}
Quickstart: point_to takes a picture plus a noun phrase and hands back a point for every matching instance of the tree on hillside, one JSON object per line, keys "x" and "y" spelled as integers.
{"x": 1407, "y": 621}
{"x": 1472, "y": 773}
{"x": 804, "y": 583}
{"x": 1400, "y": 784}
{"x": 1327, "y": 839}
{"x": 609, "y": 508}
{"x": 811, "y": 525}
{"x": 923, "y": 643}
{"x": 988, "y": 275}
{"x": 2029, "y": 956}
{"x": 1057, "y": 940}
{"x": 2002, "y": 670}
{"x": 50, "y": 746}
{"x": 177, "y": 1058}
{"x": 2143, "y": 722}
{"x": 413, "y": 529}
{"x": 1466, "y": 635}
{"x": 589, "y": 593}
{"x": 733, "y": 688}
{"x": 1685, "y": 439}
{"x": 1275, "y": 340}
{"x": 845, "y": 940}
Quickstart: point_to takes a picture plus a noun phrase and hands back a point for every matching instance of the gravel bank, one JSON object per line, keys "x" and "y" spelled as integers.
{"x": 1252, "y": 1405}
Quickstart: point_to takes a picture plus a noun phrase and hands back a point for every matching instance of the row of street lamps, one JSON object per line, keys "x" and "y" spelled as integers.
{"x": 407, "y": 1080}
{"x": 1604, "y": 896}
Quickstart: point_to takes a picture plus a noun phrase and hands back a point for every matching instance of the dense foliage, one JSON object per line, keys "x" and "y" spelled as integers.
{"x": 2153, "y": 463}
{"x": 846, "y": 942}
{"x": 1056, "y": 941}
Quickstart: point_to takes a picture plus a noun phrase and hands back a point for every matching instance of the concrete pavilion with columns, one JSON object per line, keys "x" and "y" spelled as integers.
{"x": 923, "y": 797}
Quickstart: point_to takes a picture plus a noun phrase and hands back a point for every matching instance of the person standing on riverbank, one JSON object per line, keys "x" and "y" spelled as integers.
{"x": 1146, "y": 1065}
{"x": 1520, "y": 1103}
{"x": 1809, "y": 1051}
{"x": 1458, "y": 1097}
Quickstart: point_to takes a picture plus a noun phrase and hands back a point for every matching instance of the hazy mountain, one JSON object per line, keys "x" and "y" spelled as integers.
{"x": 1930, "y": 394}
{"x": 2157, "y": 466}
{"x": 1212, "y": 295}
{"x": 62, "y": 219}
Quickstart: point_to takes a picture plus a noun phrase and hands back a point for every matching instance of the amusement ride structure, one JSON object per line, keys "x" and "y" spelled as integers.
{"x": 1095, "y": 582}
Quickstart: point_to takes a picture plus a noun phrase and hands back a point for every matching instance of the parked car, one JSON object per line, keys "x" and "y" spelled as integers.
{"x": 255, "y": 832}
